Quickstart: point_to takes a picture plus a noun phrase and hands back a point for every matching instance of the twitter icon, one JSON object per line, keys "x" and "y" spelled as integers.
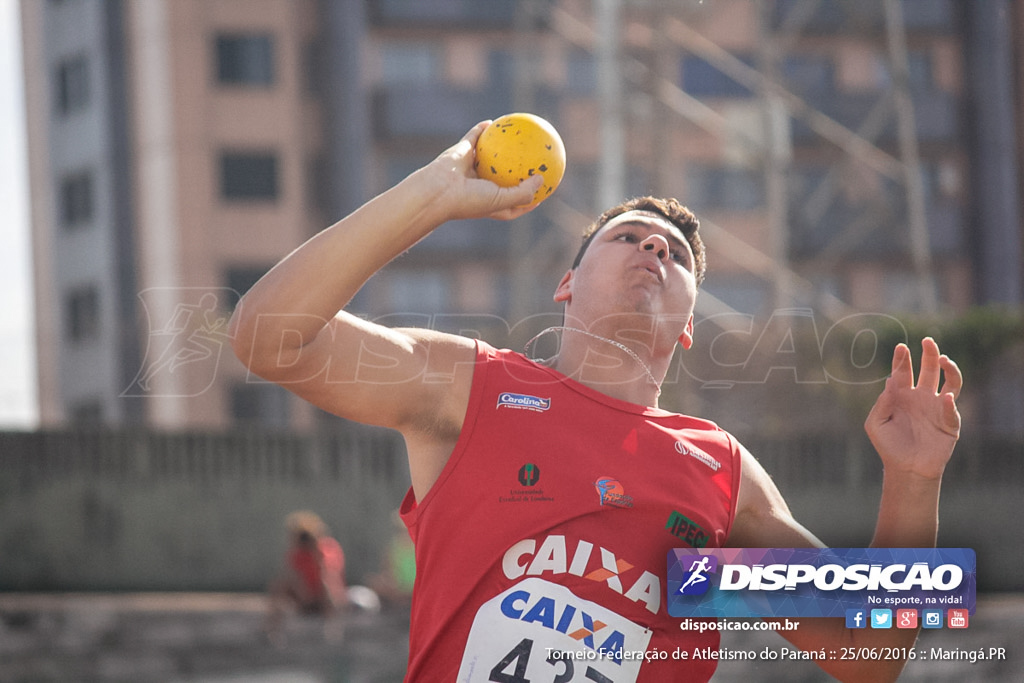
{"x": 881, "y": 618}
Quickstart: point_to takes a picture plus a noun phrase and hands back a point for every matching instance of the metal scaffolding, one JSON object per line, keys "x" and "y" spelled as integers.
{"x": 619, "y": 75}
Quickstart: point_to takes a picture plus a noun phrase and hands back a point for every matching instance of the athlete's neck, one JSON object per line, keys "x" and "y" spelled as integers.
{"x": 615, "y": 368}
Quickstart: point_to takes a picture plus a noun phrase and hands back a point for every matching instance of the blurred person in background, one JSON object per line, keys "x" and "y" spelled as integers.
{"x": 312, "y": 578}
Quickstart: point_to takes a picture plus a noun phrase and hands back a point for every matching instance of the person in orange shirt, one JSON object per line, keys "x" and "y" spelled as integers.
{"x": 312, "y": 580}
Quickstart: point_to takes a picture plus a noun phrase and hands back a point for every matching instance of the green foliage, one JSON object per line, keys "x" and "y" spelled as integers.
{"x": 977, "y": 341}
{"x": 982, "y": 341}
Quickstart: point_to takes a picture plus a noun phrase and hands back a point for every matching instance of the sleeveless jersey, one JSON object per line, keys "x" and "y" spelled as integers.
{"x": 542, "y": 548}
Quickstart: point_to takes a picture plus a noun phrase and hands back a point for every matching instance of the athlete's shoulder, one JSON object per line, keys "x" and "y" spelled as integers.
{"x": 500, "y": 353}
{"x": 698, "y": 424}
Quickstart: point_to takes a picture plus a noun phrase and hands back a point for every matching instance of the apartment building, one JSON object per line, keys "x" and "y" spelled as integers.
{"x": 178, "y": 148}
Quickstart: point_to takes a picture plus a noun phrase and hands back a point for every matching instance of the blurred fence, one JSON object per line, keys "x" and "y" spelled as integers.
{"x": 131, "y": 510}
{"x": 137, "y": 510}
{"x": 356, "y": 454}
{"x": 849, "y": 461}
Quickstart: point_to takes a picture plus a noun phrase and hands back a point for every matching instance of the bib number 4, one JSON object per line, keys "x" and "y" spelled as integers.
{"x": 513, "y": 666}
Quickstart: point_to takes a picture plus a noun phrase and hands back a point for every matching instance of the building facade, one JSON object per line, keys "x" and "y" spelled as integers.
{"x": 844, "y": 157}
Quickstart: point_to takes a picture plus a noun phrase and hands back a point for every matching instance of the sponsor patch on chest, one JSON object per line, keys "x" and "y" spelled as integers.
{"x": 507, "y": 399}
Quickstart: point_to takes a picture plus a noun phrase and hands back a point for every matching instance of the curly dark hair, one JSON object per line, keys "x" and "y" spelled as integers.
{"x": 671, "y": 209}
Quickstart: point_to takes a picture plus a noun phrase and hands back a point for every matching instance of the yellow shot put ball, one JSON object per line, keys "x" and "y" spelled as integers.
{"x": 517, "y": 146}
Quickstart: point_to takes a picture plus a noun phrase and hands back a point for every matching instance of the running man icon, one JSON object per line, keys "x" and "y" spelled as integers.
{"x": 697, "y": 581}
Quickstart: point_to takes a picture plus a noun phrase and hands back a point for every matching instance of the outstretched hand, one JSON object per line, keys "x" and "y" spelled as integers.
{"x": 469, "y": 196}
{"x": 914, "y": 428}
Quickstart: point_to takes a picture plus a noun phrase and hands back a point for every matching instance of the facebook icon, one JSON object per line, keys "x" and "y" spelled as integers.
{"x": 856, "y": 618}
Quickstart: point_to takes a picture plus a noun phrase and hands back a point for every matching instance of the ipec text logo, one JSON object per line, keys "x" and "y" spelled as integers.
{"x": 529, "y": 474}
{"x": 685, "y": 529}
{"x": 697, "y": 575}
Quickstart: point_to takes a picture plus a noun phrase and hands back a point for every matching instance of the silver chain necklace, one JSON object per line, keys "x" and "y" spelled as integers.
{"x": 629, "y": 352}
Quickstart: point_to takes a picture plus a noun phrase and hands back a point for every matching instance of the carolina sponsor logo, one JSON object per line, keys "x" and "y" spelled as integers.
{"x": 612, "y": 493}
{"x": 696, "y": 453}
{"x": 523, "y": 401}
{"x": 685, "y": 529}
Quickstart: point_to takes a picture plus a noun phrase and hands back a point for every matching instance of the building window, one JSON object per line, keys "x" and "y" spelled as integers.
{"x": 82, "y": 314}
{"x": 703, "y": 79}
{"x": 448, "y": 13}
{"x": 581, "y": 78}
{"x": 318, "y": 185}
{"x": 313, "y": 67}
{"x": 86, "y": 413}
{"x": 736, "y": 189}
{"x": 72, "y": 84}
{"x": 245, "y": 59}
{"x": 240, "y": 279}
{"x": 809, "y": 75}
{"x": 263, "y": 403}
{"x": 408, "y": 63}
{"x": 248, "y": 176}
{"x": 76, "y": 201}
{"x": 420, "y": 291}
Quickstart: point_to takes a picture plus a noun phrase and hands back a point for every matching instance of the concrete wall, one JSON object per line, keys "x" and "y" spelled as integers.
{"x": 122, "y": 511}
{"x": 204, "y": 511}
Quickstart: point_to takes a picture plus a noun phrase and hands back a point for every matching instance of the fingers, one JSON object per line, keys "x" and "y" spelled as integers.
{"x": 512, "y": 202}
{"x": 525, "y": 190}
{"x": 473, "y": 134}
{"x": 462, "y": 150}
{"x": 902, "y": 369}
{"x": 950, "y": 416}
{"x": 881, "y": 411}
{"x": 954, "y": 379}
{"x": 930, "y": 371}
{"x": 934, "y": 366}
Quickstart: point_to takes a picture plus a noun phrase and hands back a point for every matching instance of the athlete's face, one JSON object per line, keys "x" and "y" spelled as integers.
{"x": 638, "y": 263}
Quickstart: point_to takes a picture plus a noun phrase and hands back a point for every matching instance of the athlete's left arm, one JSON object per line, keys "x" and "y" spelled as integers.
{"x": 913, "y": 428}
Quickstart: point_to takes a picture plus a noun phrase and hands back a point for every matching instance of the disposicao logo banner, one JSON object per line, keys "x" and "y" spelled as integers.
{"x": 817, "y": 582}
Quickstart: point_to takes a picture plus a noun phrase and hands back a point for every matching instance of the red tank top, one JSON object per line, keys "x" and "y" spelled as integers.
{"x": 542, "y": 548}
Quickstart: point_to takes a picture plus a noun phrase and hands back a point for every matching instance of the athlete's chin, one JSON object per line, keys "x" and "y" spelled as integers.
{"x": 654, "y": 304}
{"x": 644, "y": 303}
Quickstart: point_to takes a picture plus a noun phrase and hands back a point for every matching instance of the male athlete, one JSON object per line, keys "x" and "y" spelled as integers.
{"x": 550, "y": 576}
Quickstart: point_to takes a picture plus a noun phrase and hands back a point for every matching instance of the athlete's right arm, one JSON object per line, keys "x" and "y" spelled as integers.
{"x": 290, "y": 327}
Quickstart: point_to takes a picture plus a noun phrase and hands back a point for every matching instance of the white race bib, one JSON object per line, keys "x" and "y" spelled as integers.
{"x": 540, "y": 631}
